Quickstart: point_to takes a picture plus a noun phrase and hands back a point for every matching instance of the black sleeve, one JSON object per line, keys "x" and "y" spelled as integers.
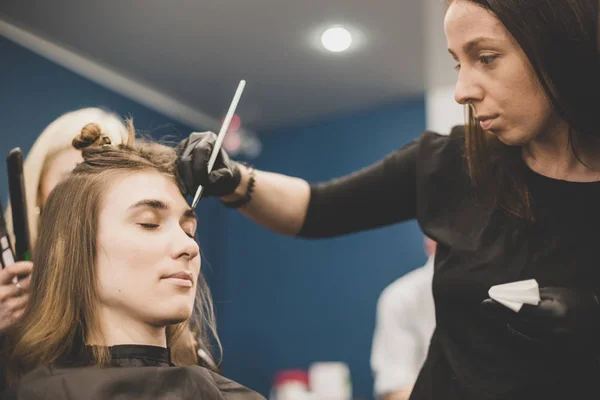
{"x": 381, "y": 194}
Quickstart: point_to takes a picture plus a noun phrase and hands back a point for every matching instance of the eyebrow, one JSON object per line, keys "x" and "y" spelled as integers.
{"x": 162, "y": 206}
{"x": 471, "y": 44}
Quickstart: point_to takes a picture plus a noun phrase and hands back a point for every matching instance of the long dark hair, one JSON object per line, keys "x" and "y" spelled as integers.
{"x": 561, "y": 39}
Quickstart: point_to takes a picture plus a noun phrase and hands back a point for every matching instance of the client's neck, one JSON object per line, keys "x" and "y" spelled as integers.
{"x": 121, "y": 329}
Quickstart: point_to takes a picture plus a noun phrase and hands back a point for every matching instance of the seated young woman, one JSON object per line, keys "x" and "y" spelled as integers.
{"x": 116, "y": 282}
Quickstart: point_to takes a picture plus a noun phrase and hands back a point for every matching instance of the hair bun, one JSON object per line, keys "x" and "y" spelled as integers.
{"x": 90, "y": 135}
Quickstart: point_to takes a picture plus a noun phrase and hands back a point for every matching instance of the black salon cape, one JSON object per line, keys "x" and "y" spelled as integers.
{"x": 136, "y": 372}
{"x": 472, "y": 356}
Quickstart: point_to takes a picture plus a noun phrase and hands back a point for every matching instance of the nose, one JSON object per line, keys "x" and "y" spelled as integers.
{"x": 467, "y": 90}
{"x": 185, "y": 246}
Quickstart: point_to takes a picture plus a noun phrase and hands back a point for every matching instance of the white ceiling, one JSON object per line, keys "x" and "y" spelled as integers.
{"x": 197, "y": 51}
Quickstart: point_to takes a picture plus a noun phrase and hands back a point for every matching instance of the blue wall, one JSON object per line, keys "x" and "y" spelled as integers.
{"x": 281, "y": 302}
{"x": 295, "y": 301}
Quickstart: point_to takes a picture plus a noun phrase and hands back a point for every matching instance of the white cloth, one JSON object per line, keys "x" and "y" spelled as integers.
{"x": 405, "y": 324}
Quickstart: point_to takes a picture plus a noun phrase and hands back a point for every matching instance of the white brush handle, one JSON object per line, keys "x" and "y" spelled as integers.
{"x": 221, "y": 136}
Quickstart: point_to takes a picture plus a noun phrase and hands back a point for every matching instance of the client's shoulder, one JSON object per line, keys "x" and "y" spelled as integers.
{"x": 232, "y": 390}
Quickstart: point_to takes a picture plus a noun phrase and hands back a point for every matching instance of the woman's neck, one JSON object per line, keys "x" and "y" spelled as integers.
{"x": 119, "y": 329}
{"x": 552, "y": 155}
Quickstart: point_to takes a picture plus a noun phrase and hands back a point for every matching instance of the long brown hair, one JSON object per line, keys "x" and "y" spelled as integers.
{"x": 61, "y": 315}
{"x": 561, "y": 39}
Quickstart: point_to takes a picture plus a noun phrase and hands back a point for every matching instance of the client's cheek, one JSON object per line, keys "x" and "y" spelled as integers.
{"x": 138, "y": 260}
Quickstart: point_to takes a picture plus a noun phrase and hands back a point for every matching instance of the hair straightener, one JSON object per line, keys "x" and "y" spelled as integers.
{"x": 16, "y": 187}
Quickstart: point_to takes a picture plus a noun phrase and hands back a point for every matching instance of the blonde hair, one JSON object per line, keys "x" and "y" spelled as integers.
{"x": 56, "y": 138}
{"x": 61, "y": 316}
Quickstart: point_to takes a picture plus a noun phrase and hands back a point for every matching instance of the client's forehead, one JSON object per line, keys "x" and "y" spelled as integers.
{"x": 129, "y": 189}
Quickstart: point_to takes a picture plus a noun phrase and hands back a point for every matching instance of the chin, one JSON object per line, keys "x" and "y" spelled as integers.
{"x": 510, "y": 138}
{"x": 174, "y": 315}
{"x": 173, "y": 320}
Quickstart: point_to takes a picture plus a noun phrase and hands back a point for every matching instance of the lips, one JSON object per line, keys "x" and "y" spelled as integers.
{"x": 181, "y": 275}
{"x": 486, "y": 121}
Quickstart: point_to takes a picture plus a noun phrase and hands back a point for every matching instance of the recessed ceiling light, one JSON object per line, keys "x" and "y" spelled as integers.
{"x": 336, "y": 39}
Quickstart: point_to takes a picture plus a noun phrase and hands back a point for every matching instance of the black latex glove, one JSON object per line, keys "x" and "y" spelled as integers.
{"x": 563, "y": 315}
{"x": 192, "y": 164}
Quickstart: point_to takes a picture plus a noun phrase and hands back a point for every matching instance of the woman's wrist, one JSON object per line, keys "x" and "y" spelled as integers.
{"x": 240, "y": 190}
{"x": 243, "y": 193}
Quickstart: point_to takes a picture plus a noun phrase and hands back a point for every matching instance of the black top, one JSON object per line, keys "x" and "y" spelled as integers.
{"x": 472, "y": 357}
{"x": 135, "y": 372}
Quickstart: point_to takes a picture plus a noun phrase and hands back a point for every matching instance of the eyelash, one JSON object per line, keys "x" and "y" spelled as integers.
{"x": 485, "y": 60}
{"x": 148, "y": 226}
{"x": 154, "y": 226}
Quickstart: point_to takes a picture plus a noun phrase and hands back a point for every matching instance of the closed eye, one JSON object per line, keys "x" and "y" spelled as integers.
{"x": 189, "y": 229}
{"x": 149, "y": 226}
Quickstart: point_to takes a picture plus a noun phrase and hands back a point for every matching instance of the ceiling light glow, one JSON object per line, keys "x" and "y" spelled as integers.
{"x": 336, "y": 39}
